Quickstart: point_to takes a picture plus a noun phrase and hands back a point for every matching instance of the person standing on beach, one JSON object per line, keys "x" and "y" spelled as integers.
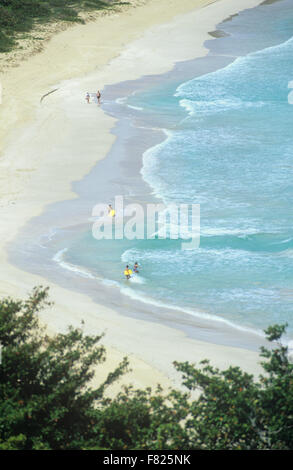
{"x": 99, "y": 97}
{"x": 88, "y": 98}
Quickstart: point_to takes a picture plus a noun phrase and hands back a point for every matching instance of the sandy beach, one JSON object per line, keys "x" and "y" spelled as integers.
{"x": 47, "y": 144}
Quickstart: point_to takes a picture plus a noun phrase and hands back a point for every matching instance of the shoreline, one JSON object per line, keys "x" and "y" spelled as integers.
{"x": 132, "y": 131}
{"x": 110, "y": 318}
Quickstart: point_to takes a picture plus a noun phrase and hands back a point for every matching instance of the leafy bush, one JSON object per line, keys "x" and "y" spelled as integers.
{"x": 20, "y": 16}
{"x": 46, "y": 401}
{"x": 44, "y": 391}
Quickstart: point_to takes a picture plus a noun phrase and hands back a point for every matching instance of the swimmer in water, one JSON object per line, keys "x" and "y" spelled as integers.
{"x": 135, "y": 268}
{"x": 127, "y": 272}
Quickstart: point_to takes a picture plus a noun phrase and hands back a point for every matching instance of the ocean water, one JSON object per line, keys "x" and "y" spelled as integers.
{"x": 229, "y": 148}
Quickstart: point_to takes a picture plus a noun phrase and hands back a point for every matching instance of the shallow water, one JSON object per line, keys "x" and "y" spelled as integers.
{"x": 228, "y": 148}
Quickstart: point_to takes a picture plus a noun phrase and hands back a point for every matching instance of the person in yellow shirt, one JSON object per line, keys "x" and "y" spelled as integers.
{"x": 111, "y": 211}
{"x": 127, "y": 272}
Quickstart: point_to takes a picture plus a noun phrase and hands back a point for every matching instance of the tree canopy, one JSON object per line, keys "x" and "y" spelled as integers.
{"x": 20, "y": 16}
{"x": 47, "y": 401}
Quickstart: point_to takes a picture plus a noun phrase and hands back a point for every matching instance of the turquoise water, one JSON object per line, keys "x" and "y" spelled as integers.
{"x": 229, "y": 149}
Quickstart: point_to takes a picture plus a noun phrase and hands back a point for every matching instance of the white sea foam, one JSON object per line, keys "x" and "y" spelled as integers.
{"x": 183, "y": 257}
{"x": 210, "y": 232}
{"x": 194, "y": 107}
{"x": 137, "y": 108}
{"x": 59, "y": 258}
{"x": 48, "y": 237}
{"x": 135, "y": 295}
{"x": 286, "y": 253}
{"x": 121, "y": 100}
{"x": 148, "y": 170}
{"x": 137, "y": 279}
{"x": 238, "y": 63}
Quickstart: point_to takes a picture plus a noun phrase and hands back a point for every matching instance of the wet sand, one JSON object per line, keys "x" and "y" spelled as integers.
{"x": 56, "y": 143}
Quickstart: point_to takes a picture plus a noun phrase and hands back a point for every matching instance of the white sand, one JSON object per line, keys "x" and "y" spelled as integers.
{"x": 42, "y": 144}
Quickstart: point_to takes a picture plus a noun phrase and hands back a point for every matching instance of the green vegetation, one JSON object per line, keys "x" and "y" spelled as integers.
{"x": 47, "y": 401}
{"x": 20, "y": 16}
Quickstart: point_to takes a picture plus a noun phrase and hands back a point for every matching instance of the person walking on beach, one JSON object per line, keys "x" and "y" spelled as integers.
{"x": 88, "y": 98}
{"x": 99, "y": 97}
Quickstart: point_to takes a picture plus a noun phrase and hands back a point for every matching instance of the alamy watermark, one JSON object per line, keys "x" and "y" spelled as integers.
{"x": 149, "y": 221}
